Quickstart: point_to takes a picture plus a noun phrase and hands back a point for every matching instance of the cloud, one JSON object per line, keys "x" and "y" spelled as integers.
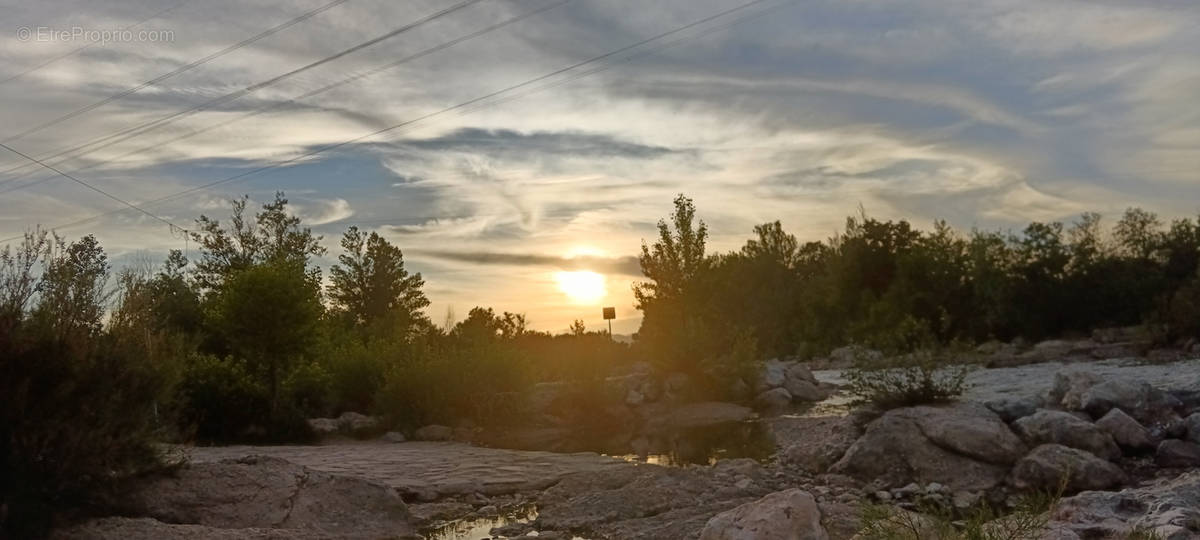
{"x": 605, "y": 265}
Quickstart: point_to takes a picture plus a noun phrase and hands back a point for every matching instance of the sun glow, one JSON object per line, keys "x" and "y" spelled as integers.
{"x": 582, "y": 287}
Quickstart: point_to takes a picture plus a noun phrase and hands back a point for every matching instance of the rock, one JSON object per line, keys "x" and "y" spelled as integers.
{"x": 352, "y": 422}
{"x": 634, "y": 398}
{"x": 1168, "y": 509}
{"x": 641, "y": 368}
{"x": 1010, "y": 409}
{"x": 323, "y": 426}
{"x": 801, "y": 372}
{"x": 543, "y": 396}
{"x": 1138, "y": 399}
{"x": 677, "y": 382}
{"x": 773, "y": 399}
{"x": 1050, "y": 466}
{"x": 434, "y": 433}
{"x": 802, "y": 390}
{"x": 774, "y": 374}
{"x": 784, "y": 515}
{"x": 393, "y": 437}
{"x": 1069, "y": 387}
{"x": 1054, "y": 349}
{"x": 963, "y": 445}
{"x": 1063, "y": 428}
{"x": 123, "y": 528}
{"x": 1192, "y": 427}
{"x": 1177, "y": 453}
{"x": 262, "y": 492}
{"x": 1126, "y": 431}
{"x": 817, "y": 443}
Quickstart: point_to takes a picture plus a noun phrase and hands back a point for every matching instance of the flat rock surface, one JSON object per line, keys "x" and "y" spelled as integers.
{"x": 430, "y": 470}
{"x": 1033, "y": 380}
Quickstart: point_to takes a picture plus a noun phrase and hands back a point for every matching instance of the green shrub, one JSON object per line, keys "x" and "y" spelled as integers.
{"x": 903, "y": 381}
{"x": 982, "y": 522}
{"x": 219, "y": 400}
{"x": 307, "y": 390}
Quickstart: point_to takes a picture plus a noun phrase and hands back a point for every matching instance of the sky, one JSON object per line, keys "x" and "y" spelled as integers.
{"x": 983, "y": 113}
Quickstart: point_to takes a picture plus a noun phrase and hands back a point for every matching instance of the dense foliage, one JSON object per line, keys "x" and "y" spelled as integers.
{"x": 889, "y": 285}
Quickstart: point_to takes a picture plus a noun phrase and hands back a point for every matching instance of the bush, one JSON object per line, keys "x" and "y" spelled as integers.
{"x": 219, "y": 400}
{"x": 80, "y": 404}
{"x": 982, "y": 522}
{"x": 903, "y": 381}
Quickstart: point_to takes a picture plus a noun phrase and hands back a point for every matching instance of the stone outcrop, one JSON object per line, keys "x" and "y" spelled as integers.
{"x": 257, "y": 497}
{"x": 1051, "y": 466}
{"x": 783, "y": 515}
{"x": 962, "y": 445}
{"x": 1063, "y": 428}
{"x": 1168, "y": 508}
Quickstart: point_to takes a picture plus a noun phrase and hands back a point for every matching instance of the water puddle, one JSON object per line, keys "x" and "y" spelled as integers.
{"x": 480, "y": 528}
{"x": 704, "y": 445}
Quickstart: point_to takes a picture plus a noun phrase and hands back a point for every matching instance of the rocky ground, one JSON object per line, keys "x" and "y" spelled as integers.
{"x": 1123, "y": 432}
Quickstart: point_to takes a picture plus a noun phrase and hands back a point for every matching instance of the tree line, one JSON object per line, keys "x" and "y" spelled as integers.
{"x": 892, "y": 286}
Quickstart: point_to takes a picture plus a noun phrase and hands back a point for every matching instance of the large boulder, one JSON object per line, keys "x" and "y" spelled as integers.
{"x": 1053, "y": 466}
{"x": 774, "y": 374}
{"x": 1126, "y": 431}
{"x": 1066, "y": 429}
{"x": 434, "y": 432}
{"x": 1010, "y": 409}
{"x": 963, "y": 445}
{"x": 264, "y": 492}
{"x": 1168, "y": 508}
{"x": 692, "y": 415}
{"x": 783, "y": 515}
{"x": 773, "y": 400}
{"x": 1069, "y": 387}
{"x": 803, "y": 390}
{"x": 1177, "y": 453}
{"x": 1139, "y": 399}
{"x": 1192, "y": 427}
{"x": 814, "y": 444}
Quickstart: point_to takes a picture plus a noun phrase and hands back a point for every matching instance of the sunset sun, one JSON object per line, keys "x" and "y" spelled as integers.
{"x": 583, "y": 287}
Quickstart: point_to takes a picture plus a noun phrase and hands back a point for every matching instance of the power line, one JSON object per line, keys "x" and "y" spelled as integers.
{"x": 93, "y": 188}
{"x": 323, "y": 89}
{"x": 80, "y": 49}
{"x": 141, "y": 129}
{"x": 270, "y": 31}
{"x": 459, "y": 106}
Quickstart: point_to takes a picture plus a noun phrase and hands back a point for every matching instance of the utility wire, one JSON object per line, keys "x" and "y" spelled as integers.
{"x": 80, "y": 49}
{"x": 191, "y": 65}
{"x": 321, "y": 90}
{"x": 140, "y": 129}
{"x": 93, "y": 188}
{"x": 459, "y": 106}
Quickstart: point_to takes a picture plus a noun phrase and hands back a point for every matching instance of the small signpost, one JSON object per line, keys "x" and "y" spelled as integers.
{"x": 610, "y": 313}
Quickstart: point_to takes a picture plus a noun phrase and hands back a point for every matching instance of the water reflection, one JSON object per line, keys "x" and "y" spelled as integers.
{"x": 704, "y": 445}
{"x": 480, "y": 528}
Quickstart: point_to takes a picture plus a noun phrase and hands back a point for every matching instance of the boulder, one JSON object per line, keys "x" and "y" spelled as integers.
{"x": 323, "y": 426}
{"x": 803, "y": 390}
{"x": 352, "y": 422}
{"x": 963, "y": 445}
{"x": 1010, "y": 409}
{"x": 434, "y": 433}
{"x": 392, "y": 437}
{"x": 1177, "y": 453}
{"x": 1192, "y": 427}
{"x": 263, "y": 492}
{"x": 1063, "y": 428}
{"x": 773, "y": 399}
{"x": 774, "y": 374}
{"x": 853, "y": 354}
{"x": 802, "y": 373}
{"x": 1139, "y": 399}
{"x": 1069, "y": 387}
{"x": 1051, "y": 466}
{"x": 691, "y": 415}
{"x": 818, "y": 443}
{"x": 1126, "y": 431}
{"x": 783, "y": 515}
{"x": 1167, "y": 508}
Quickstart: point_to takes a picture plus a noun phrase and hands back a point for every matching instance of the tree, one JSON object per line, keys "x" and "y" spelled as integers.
{"x": 18, "y": 283}
{"x": 371, "y": 284}
{"x": 274, "y": 235}
{"x": 577, "y": 328}
{"x": 674, "y": 261}
{"x": 269, "y": 315}
{"x": 72, "y": 292}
